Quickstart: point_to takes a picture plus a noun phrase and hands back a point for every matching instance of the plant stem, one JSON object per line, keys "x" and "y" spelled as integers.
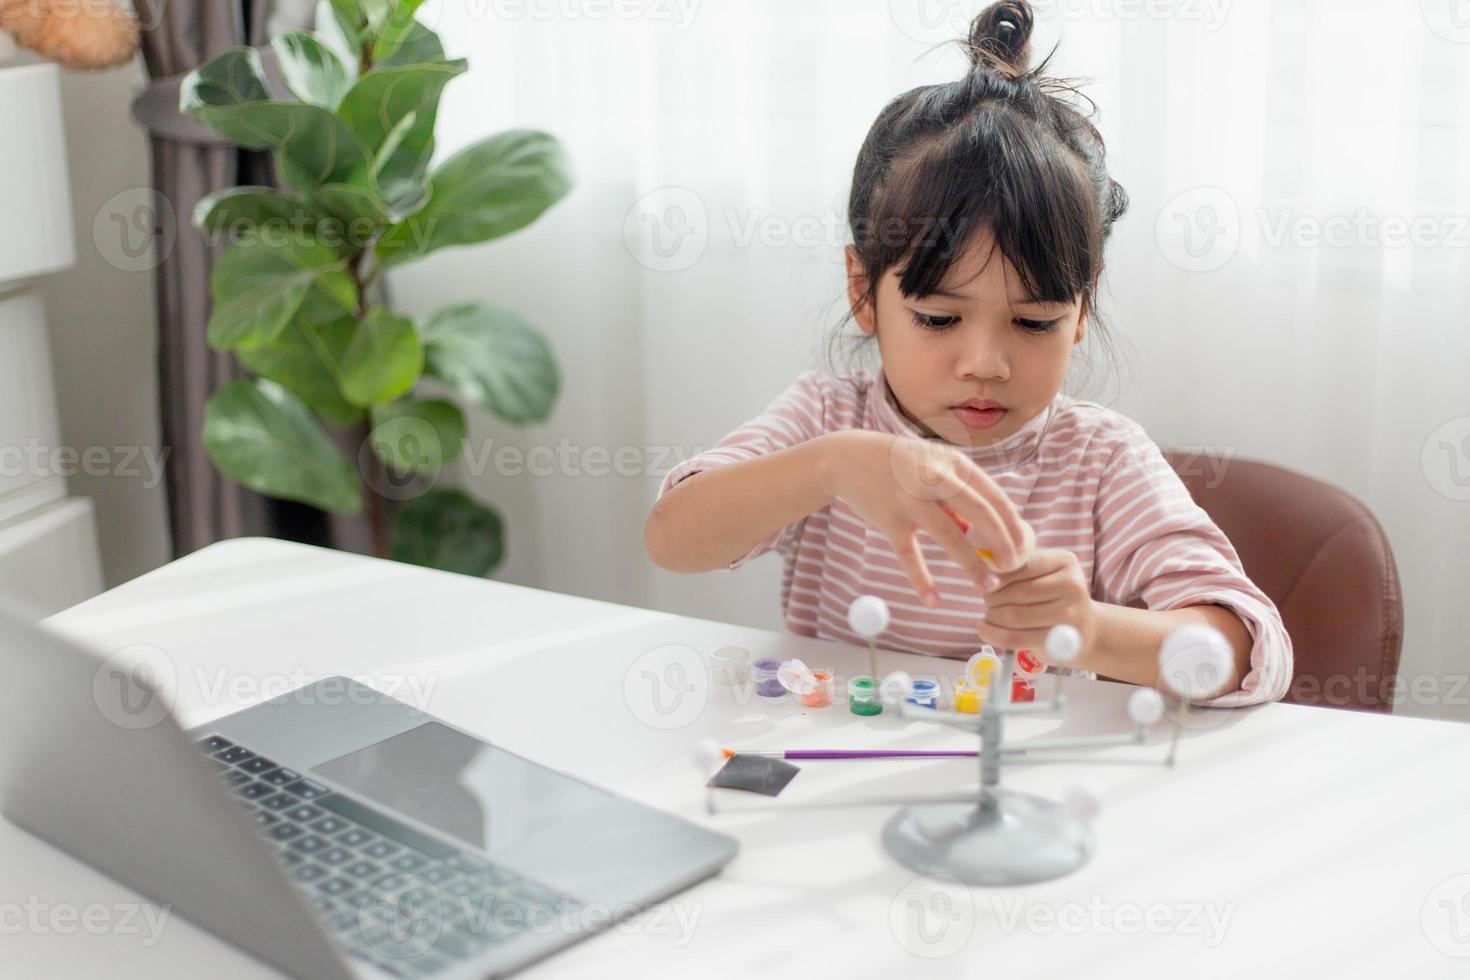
{"x": 377, "y": 509}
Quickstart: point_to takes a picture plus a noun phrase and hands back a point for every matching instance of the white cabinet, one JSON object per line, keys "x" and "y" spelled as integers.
{"x": 48, "y": 548}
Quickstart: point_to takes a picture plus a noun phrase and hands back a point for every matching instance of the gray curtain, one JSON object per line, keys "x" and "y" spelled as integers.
{"x": 190, "y": 161}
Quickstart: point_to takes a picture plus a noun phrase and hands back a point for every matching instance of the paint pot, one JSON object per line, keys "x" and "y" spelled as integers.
{"x": 730, "y": 666}
{"x": 812, "y": 688}
{"x": 1029, "y": 665}
{"x": 968, "y": 696}
{"x": 819, "y": 696}
{"x": 924, "y": 694}
{"x": 763, "y": 674}
{"x": 983, "y": 667}
{"x": 862, "y": 696}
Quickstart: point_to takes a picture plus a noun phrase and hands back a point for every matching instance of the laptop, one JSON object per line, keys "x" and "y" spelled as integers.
{"x": 332, "y": 832}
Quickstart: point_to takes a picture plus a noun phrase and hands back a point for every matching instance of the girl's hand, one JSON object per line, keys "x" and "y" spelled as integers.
{"x": 1050, "y": 589}
{"x": 901, "y": 485}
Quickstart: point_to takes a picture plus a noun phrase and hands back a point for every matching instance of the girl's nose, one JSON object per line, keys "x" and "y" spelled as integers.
{"x": 984, "y": 360}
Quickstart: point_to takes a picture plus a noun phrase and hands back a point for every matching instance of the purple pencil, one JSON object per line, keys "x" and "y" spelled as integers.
{"x": 855, "y": 754}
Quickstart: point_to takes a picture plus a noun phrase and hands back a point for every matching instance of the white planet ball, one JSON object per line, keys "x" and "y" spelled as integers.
{"x": 1195, "y": 660}
{"x": 707, "y": 755}
{"x": 1145, "y": 706}
{"x": 1063, "y": 643}
{"x": 868, "y": 616}
{"x": 895, "y": 687}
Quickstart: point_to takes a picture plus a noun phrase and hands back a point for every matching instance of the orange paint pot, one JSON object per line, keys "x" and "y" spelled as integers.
{"x": 821, "y": 695}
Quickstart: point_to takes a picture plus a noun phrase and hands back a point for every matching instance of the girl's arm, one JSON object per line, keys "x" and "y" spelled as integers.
{"x": 749, "y": 493}
{"x": 1156, "y": 547}
{"x": 715, "y": 516}
{"x": 1152, "y": 546}
{"x": 1127, "y": 641}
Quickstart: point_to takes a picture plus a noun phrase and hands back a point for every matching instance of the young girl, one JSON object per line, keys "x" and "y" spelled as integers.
{"x": 979, "y": 210}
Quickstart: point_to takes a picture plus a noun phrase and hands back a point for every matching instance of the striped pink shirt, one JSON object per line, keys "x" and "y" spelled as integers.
{"x": 1085, "y": 477}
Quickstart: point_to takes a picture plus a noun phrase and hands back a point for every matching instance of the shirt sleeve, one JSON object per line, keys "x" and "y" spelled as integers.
{"x": 1154, "y": 544}
{"x": 792, "y": 417}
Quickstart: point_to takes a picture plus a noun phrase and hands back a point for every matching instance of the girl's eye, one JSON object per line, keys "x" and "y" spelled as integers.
{"x": 1038, "y": 326}
{"x": 933, "y": 322}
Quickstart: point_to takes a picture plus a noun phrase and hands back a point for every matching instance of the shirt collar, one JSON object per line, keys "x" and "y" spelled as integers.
{"x": 884, "y": 415}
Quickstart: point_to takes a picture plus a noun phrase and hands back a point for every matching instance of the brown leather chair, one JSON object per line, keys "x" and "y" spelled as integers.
{"x": 1322, "y": 557}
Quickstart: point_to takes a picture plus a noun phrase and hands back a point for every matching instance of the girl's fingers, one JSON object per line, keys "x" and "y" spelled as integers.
{"x": 982, "y": 526}
{"x": 911, "y": 560}
{"x": 1043, "y": 564}
{"x": 1041, "y": 616}
{"x": 1014, "y": 530}
{"x": 1029, "y": 592}
{"x": 944, "y": 530}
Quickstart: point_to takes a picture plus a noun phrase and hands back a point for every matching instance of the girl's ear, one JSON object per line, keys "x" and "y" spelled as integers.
{"x": 1082, "y": 318}
{"x": 857, "y": 290}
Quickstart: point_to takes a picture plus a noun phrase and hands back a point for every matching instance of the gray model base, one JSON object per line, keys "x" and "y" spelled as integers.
{"x": 1007, "y": 839}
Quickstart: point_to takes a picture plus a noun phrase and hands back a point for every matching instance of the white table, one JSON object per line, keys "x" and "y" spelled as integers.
{"x": 1289, "y": 842}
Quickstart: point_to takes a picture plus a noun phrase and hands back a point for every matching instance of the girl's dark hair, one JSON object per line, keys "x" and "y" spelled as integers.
{"x": 1002, "y": 148}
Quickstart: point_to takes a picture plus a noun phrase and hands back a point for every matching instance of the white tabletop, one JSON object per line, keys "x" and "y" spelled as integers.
{"x": 1288, "y": 841}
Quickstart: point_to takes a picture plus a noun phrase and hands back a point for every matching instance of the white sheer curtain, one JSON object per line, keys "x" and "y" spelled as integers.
{"x": 696, "y": 268}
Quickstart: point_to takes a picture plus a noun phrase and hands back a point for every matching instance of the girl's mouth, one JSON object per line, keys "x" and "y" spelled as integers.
{"x": 979, "y": 418}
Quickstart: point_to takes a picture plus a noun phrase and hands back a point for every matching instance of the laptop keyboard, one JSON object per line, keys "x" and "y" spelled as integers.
{"x": 397, "y": 898}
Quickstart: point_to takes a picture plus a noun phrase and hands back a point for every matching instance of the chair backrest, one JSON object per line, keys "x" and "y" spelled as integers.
{"x": 1323, "y": 558}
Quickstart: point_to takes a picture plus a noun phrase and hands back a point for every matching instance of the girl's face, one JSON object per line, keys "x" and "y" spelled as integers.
{"x": 977, "y": 338}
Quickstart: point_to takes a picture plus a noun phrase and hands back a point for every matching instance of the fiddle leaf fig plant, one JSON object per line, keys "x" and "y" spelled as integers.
{"x": 296, "y": 295}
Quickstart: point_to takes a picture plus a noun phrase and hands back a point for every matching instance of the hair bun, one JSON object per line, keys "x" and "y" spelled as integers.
{"x": 1000, "y": 38}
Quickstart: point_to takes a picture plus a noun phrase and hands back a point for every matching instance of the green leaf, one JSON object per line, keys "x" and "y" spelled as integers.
{"x": 244, "y": 210}
{"x": 306, "y": 359}
{"x": 495, "y": 358}
{"x": 349, "y": 12}
{"x": 393, "y": 141}
{"x": 232, "y": 77}
{"x": 312, "y": 71}
{"x": 419, "y": 47}
{"x": 450, "y": 531}
{"x": 323, "y": 304}
{"x": 384, "y": 360}
{"x": 382, "y": 99}
{"x": 489, "y": 189}
{"x": 376, "y": 12}
{"x": 258, "y": 285}
{"x": 262, "y": 437}
{"x": 396, "y": 29}
{"x": 337, "y": 26}
{"x": 417, "y": 438}
{"x": 312, "y": 145}
{"x": 353, "y": 204}
{"x": 407, "y": 197}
